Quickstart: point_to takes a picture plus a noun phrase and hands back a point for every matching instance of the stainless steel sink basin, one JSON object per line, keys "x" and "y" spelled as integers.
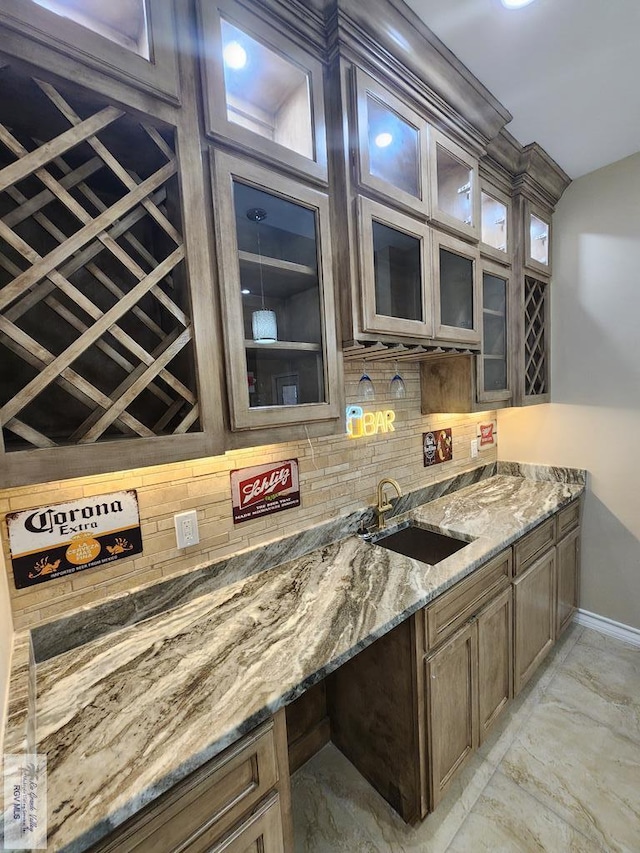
{"x": 420, "y": 544}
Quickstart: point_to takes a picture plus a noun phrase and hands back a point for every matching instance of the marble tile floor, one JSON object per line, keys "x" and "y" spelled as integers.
{"x": 561, "y": 774}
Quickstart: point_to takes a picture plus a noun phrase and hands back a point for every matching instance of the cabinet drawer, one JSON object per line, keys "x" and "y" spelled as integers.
{"x": 452, "y": 609}
{"x": 533, "y": 545}
{"x": 261, "y": 832}
{"x": 206, "y": 804}
{"x": 567, "y": 519}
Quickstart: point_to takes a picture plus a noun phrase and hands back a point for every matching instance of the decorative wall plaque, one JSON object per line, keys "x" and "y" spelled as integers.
{"x": 437, "y": 447}
{"x": 264, "y": 489}
{"x": 60, "y": 539}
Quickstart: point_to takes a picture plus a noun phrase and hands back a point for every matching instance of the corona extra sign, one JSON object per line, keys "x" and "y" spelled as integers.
{"x": 361, "y": 423}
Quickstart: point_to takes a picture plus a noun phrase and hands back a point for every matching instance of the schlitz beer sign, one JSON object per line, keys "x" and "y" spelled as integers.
{"x": 61, "y": 539}
{"x": 264, "y": 489}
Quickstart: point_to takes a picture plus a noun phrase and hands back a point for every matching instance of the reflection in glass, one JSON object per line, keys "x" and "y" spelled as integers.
{"x": 539, "y": 232}
{"x": 393, "y": 148}
{"x": 494, "y": 346}
{"x": 265, "y": 92}
{"x": 456, "y": 290}
{"x": 398, "y": 278}
{"x": 494, "y": 222}
{"x": 455, "y": 186}
{"x": 279, "y": 276}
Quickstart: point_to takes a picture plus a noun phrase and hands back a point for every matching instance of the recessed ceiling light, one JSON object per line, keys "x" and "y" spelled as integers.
{"x": 382, "y": 140}
{"x": 245, "y": 292}
{"x": 515, "y": 4}
{"x": 235, "y": 56}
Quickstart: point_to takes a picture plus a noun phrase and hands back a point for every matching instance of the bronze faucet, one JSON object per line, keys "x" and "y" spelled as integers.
{"x": 382, "y": 506}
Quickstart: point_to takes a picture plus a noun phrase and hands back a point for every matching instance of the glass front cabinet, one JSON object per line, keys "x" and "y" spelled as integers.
{"x": 275, "y": 272}
{"x": 495, "y": 224}
{"x": 392, "y": 146}
{"x": 395, "y": 265}
{"x": 455, "y": 188}
{"x": 537, "y": 238}
{"x": 457, "y": 297}
{"x": 494, "y": 362}
{"x": 261, "y": 90}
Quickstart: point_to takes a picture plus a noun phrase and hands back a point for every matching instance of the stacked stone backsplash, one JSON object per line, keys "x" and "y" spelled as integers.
{"x": 338, "y": 476}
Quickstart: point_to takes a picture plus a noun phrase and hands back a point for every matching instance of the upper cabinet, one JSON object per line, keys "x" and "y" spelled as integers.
{"x": 537, "y": 234}
{"x": 495, "y": 224}
{"x": 455, "y": 188}
{"x": 392, "y": 146}
{"x": 456, "y": 291}
{"x": 261, "y": 90}
{"x": 275, "y": 269}
{"x": 396, "y": 271}
{"x": 494, "y": 361}
{"x": 133, "y": 41}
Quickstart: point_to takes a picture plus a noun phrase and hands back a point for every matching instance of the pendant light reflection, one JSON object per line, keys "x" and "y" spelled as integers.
{"x": 397, "y": 388}
{"x": 366, "y": 391}
{"x": 264, "y": 325}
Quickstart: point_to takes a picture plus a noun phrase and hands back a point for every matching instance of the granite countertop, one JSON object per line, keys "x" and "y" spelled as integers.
{"x": 127, "y": 715}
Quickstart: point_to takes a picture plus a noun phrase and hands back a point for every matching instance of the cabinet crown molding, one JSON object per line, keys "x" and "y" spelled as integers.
{"x": 400, "y": 32}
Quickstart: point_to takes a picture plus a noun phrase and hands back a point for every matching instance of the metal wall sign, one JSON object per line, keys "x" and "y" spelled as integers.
{"x": 263, "y": 489}
{"x": 437, "y": 447}
{"x": 487, "y": 434}
{"x": 61, "y": 539}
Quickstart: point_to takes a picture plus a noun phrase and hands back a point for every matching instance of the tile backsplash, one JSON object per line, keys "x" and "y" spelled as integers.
{"x": 338, "y": 475}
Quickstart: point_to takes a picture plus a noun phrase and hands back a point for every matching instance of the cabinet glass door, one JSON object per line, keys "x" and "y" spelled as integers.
{"x": 274, "y": 273}
{"x": 456, "y": 290}
{"x": 537, "y": 233}
{"x": 539, "y": 239}
{"x": 454, "y": 182}
{"x": 394, "y": 257}
{"x": 392, "y": 145}
{"x": 493, "y": 379}
{"x": 494, "y": 215}
{"x": 260, "y": 89}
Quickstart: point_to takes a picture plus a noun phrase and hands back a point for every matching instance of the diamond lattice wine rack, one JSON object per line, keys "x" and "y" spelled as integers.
{"x": 95, "y": 333}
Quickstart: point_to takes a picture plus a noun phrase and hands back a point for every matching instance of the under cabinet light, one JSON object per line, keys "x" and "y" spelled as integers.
{"x": 515, "y": 4}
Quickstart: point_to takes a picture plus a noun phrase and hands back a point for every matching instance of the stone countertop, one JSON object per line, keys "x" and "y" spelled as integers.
{"x": 126, "y": 716}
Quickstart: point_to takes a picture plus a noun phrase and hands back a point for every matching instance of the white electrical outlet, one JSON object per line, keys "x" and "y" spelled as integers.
{"x": 474, "y": 447}
{"x": 186, "y": 528}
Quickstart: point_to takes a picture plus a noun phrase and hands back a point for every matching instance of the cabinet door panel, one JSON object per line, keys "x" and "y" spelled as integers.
{"x": 275, "y": 265}
{"x": 395, "y": 271}
{"x": 495, "y": 660}
{"x": 392, "y": 145}
{"x": 534, "y": 617}
{"x": 456, "y": 290}
{"x": 568, "y": 559}
{"x": 451, "y": 690}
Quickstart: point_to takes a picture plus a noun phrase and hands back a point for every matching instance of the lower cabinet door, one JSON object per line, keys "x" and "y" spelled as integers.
{"x": 534, "y": 617}
{"x": 451, "y": 708}
{"x": 261, "y": 832}
{"x": 495, "y": 660}
{"x": 568, "y": 568}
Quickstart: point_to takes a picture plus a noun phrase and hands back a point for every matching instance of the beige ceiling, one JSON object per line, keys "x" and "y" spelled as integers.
{"x": 567, "y": 70}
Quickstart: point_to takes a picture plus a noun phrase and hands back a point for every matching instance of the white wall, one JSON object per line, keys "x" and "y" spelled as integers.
{"x": 6, "y": 645}
{"x": 594, "y": 418}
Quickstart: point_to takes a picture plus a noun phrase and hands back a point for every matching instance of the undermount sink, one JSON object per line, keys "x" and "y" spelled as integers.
{"x": 420, "y": 544}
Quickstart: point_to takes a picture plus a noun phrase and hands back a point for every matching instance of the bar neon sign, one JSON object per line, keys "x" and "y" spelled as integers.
{"x": 361, "y": 423}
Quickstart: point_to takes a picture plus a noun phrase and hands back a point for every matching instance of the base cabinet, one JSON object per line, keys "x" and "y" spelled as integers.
{"x": 495, "y": 661}
{"x": 534, "y": 617}
{"x": 239, "y": 802}
{"x": 451, "y": 689}
{"x": 568, "y": 581}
